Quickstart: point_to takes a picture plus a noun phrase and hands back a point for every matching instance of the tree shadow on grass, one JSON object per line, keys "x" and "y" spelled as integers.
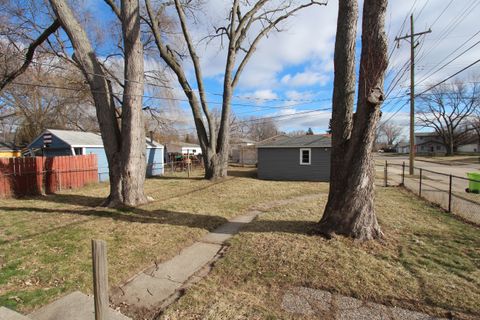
{"x": 92, "y": 201}
{"x": 168, "y": 177}
{"x": 245, "y": 173}
{"x": 135, "y": 215}
{"x": 283, "y": 226}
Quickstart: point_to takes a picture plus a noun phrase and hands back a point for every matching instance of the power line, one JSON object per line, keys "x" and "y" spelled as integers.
{"x": 449, "y": 77}
{"x": 454, "y": 22}
{"x": 429, "y": 73}
{"x": 244, "y": 97}
{"x": 160, "y": 98}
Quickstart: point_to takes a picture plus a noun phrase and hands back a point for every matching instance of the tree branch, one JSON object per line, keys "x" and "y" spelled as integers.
{"x": 30, "y": 53}
{"x": 115, "y": 8}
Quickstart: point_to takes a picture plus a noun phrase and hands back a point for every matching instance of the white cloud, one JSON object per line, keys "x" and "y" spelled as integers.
{"x": 317, "y": 120}
{"x": 300, "y": 95}
{"x": 303, "y": 79}
{"x": 261, "y": 95}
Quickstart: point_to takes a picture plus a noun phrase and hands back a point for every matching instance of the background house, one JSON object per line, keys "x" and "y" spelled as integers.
{"x": 9, "y": 150}
{"x": 469, "y": 148}
{"x": 403, "y": 147}
{"x": 67, "y": 143}
{"x": 183, "y": 148}
{"x": 243, "y": 151}
{"x": 295, "y": 158}
{"x": 429, "y": 143}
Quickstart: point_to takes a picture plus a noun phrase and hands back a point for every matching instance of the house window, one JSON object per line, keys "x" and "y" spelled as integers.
{"x": 422, "y": 148}
{"x": 78, "y": 151}
{"x": 194, "y": 150}
{"x": 439, "y": 147}
{"x": 305, "y": 156}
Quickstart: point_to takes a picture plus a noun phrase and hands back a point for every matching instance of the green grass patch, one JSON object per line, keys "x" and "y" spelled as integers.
{"x": 45, "y": 241}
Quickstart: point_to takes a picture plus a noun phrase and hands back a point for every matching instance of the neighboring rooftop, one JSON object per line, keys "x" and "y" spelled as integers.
{"x": 308, "y": 141}
{"x": 8, "y": 146}
{"x": 426, "y": 134}
{"x": 183, "y": 144}
{"x": 242, "y": 141}
{"x": 85, "y": 139}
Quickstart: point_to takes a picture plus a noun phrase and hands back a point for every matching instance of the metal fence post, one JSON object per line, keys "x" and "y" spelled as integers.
{"x": 100, "y": 279}
{"x": 450, "y": 194}
{"x": 385, "y": 174}
{"x": 420, "y": 186}
{"x": 403, "y": 173}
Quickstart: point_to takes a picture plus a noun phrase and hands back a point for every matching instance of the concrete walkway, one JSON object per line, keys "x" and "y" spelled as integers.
{"x": 158, "y": 286}
{"x": 324, "y": 305}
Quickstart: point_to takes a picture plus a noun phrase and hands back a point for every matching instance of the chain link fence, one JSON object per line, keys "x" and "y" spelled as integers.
{"x": 448, "y": 191}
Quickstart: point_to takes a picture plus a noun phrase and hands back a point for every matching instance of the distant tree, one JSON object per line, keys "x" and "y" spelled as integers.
{"x": 329, "y": 131}
{"x": 447, "y": 110}
{"x": 309, "y": 132}
{"x": 297, "y": 133}
{"x": 261, "y": 129}
{"x": 390, "y": 132}
{"x": 36, "y": 108}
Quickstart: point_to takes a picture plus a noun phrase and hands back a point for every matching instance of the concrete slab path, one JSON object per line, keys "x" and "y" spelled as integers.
{"x": 324, "y": 305}
{"x": 7, "y": 314}
{"x": 156, "y": 287}
{"x": 74, "y": 306}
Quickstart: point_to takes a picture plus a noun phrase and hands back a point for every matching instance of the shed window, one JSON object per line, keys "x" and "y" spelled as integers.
{"x": 78, "y": 151}
{"x": 305, "y": 156}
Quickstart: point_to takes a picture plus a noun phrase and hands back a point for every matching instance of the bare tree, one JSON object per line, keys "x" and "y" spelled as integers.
{"x": 247, "y": 25}
{"x": 350, "y": 208}
{"x": 391, "y": 133}
{"x": 19, "y": 41}
{"x": 124, "y": 138}
{"x": 261, "y": 129}
{"x": 447, "y": 109}
{"x": 37, "y": 108}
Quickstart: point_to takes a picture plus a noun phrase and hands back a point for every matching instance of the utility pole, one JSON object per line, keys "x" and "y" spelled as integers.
{"x": 411, "y": 38}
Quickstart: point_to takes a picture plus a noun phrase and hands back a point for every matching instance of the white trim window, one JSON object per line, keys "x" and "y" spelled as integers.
{"x": 305, "y": 156}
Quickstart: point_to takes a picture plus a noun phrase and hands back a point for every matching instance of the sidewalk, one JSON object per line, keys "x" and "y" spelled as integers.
{"x": 155, "y": 288}
{"x": 325, "y": 305}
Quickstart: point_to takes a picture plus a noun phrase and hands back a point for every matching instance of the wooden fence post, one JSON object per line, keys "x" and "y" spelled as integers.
{"x": 385, "y": 175}
{"x": 100, "y": 279}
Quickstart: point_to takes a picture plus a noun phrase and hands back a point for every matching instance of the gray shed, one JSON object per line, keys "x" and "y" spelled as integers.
{"x": 295, "y": 158}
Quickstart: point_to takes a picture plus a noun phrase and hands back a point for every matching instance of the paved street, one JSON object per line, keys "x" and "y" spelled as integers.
{"x": 435, "y": 186}
{"x": 456, "y": 169}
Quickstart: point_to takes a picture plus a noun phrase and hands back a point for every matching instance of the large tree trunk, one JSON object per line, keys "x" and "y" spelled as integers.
{"x": 133, "y": 128}
{"x": 124, "y": 148}
{"x": 216, "y": 164}
{"x": 350, "y": 208}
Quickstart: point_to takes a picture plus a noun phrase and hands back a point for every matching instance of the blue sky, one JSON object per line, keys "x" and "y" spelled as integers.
{"x": 292, "y": 71}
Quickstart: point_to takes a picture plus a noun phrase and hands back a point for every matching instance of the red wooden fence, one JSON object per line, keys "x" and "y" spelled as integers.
{"x": 40, "y": 175}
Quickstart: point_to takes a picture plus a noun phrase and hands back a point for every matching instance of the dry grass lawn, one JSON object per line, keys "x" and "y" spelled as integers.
{"x": 45, "y": 241}
{"x": 429, "y": 262}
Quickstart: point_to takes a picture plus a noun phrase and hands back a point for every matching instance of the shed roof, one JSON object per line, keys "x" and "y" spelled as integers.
{"x": 85, "y": 139}
{"x": 426, "y": 134}
{"x": 183, "y": 144}
{"x": 307, "y": 141}
{"x": 8, "y": 146}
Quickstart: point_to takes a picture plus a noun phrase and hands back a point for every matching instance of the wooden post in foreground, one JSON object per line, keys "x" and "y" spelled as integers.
{"x": 385, "y": 175}
{"x": 100, "y": 279}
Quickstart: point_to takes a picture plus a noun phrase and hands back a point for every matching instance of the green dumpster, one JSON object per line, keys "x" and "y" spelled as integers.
{"x": 474, "y": 186}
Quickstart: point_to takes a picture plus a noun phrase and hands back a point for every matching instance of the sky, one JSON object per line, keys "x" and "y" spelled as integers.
{"x": 291, "y": 73}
